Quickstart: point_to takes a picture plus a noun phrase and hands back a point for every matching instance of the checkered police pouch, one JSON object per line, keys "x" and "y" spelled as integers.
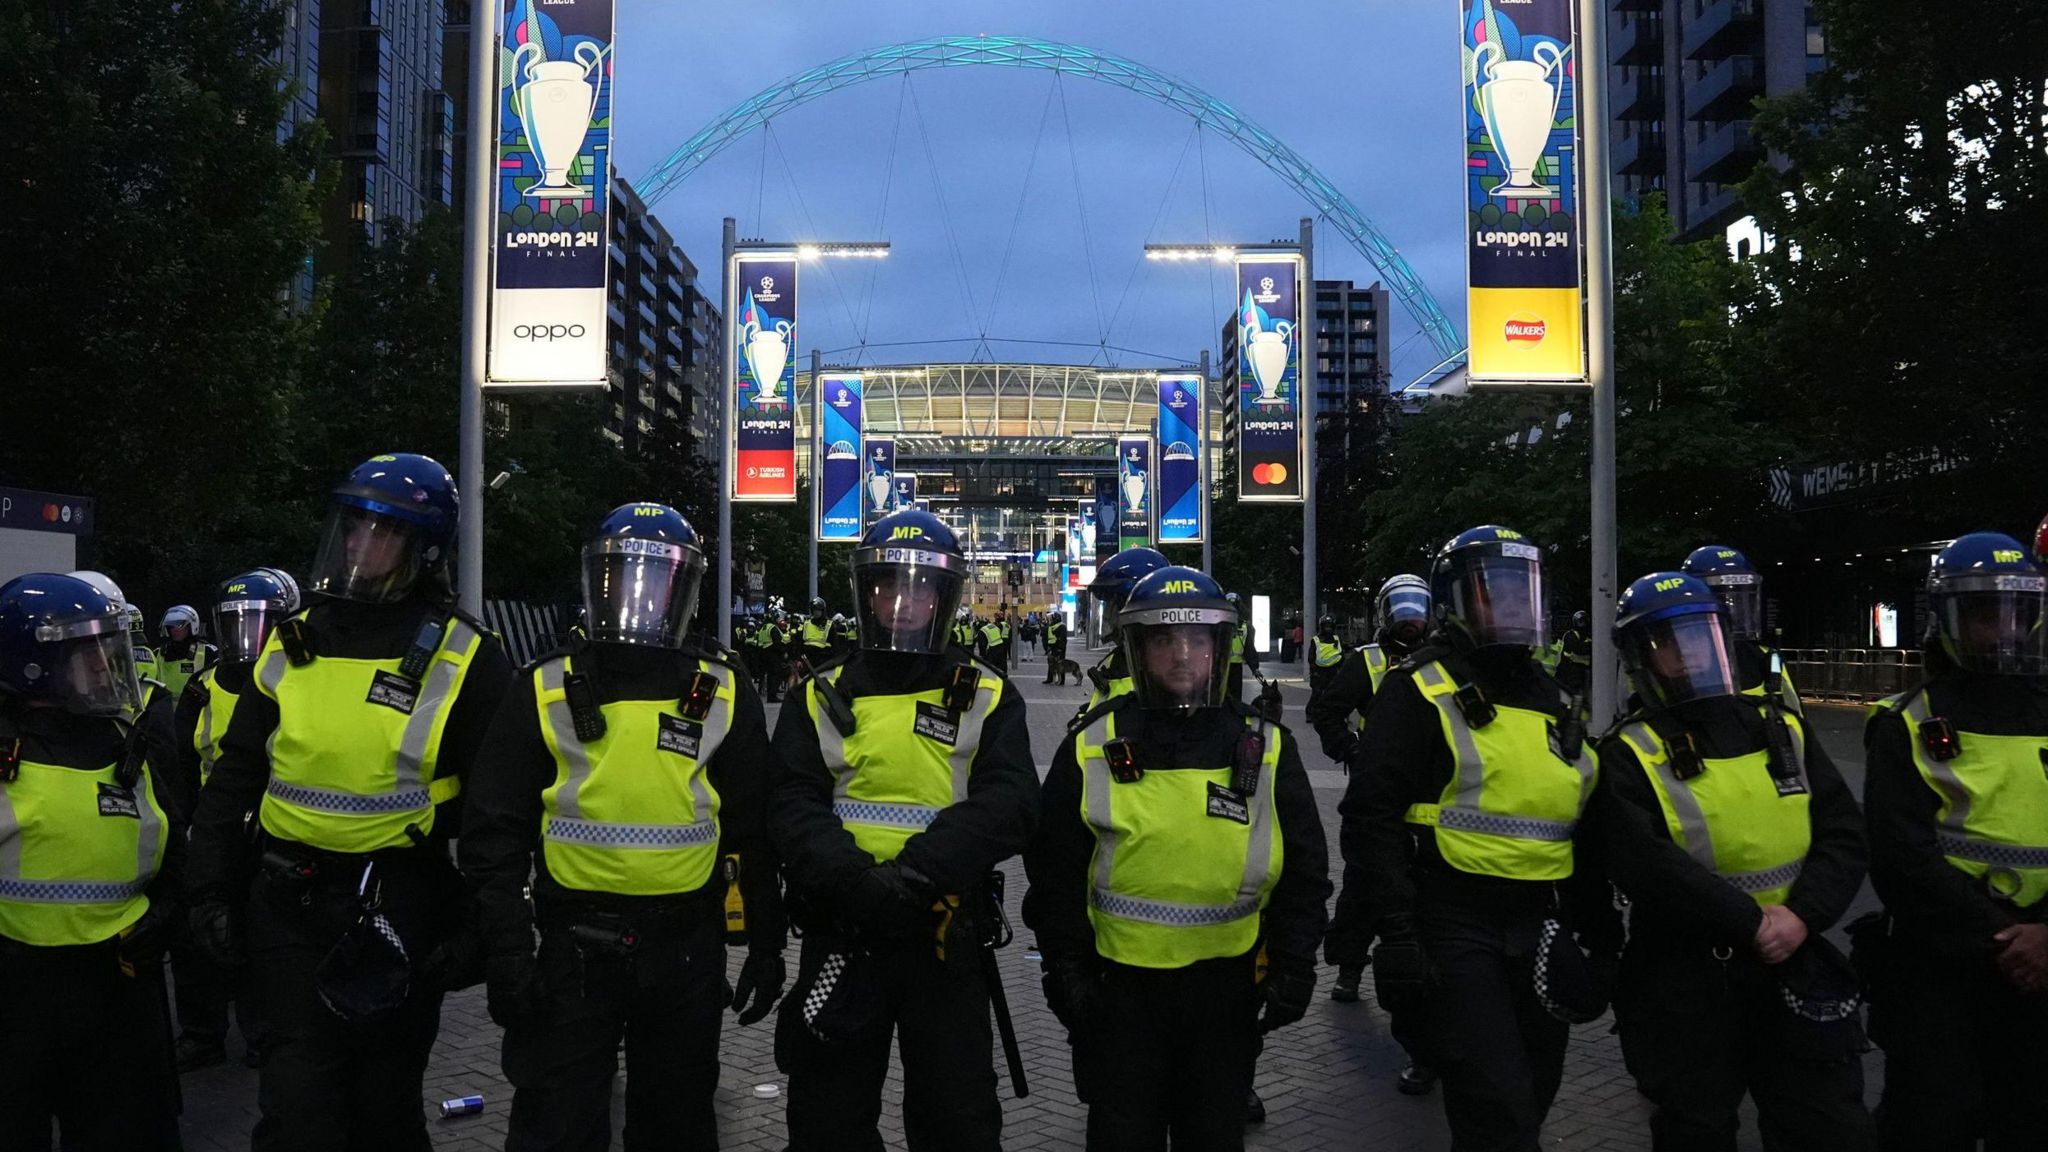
{"x": 1563, "y": 978}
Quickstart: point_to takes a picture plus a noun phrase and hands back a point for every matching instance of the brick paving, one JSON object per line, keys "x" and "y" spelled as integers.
{"x": 1328, "y": 1082}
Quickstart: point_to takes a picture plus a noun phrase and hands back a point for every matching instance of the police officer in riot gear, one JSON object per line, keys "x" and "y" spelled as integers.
{"x": 904, "y": 776}
{"x": 1056, "y": 646}
{"x": 367, "y": 712}
{"x": 90, "y": 852}
{"x": 1738, "y": 584}
{"x": 159, "y": 705}
{"x": 1956, "y": 808}
{"x": 817, "y": 634}
{"x": 1179, "y": 846}
{"x": 1326, "y": 651}
{"x": 1111, "y": 587}
{"x": 1728, "y": 827}
{"x": 1337, "y": 710}
{"x": 1243, "y": 647}
{"x": 1460, "y": 821}
{"x": 629, "y": 777}
{"x": 245, "y": 608}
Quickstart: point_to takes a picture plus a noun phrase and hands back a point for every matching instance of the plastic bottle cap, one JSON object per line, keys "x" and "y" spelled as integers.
{"x": 767, "y": 1091}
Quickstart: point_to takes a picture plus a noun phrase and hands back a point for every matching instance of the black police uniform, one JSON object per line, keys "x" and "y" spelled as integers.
{"x": 1575, "y": 663}
{"x": 938, "y": 1009}
{"x": 85, "y": 1029}
{"x": 1702, "y": 1018}
{"x": 1172, "y": 1047}
{"x": 663, "y": 996}
{"x": 1501, "y": 1054}
{"x": 203, "y": 986}
{"x": 1056, "y": 649}
{"x": 329, "y": 1084}
{"x": 1959, "y": 1039}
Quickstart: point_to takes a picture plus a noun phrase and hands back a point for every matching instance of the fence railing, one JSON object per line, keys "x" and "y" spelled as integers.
{"x": 1856, "y": 674}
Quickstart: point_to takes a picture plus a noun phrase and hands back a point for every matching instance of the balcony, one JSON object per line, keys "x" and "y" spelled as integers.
{"x": 1641, "y": 98}
{"x": 1641, "y": 154}
{"x": 1722, "y": 29}
{"x": 1638, "y": 5}
{"x": 1727, "y": 155}
{"x": 618, "y": 255}
{"x": 1727, "y": 90}
{"x": 1639, "y": 40}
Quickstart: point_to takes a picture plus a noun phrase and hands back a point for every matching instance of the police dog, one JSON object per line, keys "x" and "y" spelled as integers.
{"x": 1064, "y": 668}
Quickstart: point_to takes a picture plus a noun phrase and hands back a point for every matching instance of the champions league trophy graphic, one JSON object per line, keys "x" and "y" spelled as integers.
{"x": 1134, "y": 486}
{"x": 1265, "y": 348}
{"x": 881, "y": 485}
{"x": 766, "y": 349}
{"x": 555, "y": 104}
{"x": 1518, "y": 100}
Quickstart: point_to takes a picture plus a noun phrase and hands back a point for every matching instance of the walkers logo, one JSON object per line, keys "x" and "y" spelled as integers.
{"x": 1524, "y": 328}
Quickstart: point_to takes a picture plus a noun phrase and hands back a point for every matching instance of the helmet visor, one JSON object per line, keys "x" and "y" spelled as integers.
{"x": 1742, "y": 593}
{"x": 1679, "y": 658}
{"x": 366, "y": 556}
{"x": 95, "y": 675}
{"x": 241, "y": 627}
{"x": 1500, "y": 600}
{"x": 905, "y": 605}
{"x": 1996, "y": 626}
{"x": 640, "y": 591}
{"x": 1179, "y": 667}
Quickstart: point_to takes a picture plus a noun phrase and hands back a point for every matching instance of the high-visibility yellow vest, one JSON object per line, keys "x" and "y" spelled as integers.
{"x": 350, "y": 767}
{"x": 907, "y": 760}
{"x": 1731, "y": 817}
{"x": 1118, "y": 685}
{"x": 1787, "y": 694}
{"x": 1237, "y": 639}
{"x": 632, "y": 812}
{"x": 1329, "y": 653}
{"x": 1992, "y": 824}
{"x": 77, "y": 852}
{"x": 177, "y": 673}
{"x": 214, "y": 716}
{"x": 1177, "y": 876}
{"x": 1513, "y": 801}
{"x": 1376, "y": 665}
{"x": 817, "y": 633}
{"x": 147, "y": 667}
{"x": 992, "y": 635}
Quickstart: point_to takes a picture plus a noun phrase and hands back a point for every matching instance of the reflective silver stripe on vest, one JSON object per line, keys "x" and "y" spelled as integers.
{"x": 966, "y": 742}
{"x": 1992, "y": 852}
{"x": 14, "y": 886}
{"x": 1100, "y": 787}
{"x": 1955, "y": 825}
{"x": 886, "y": 815}
{"x": 1468, "y": 814}
{"x": 434, "y": 699}
{"x": 208, "y": 753}
{"x": 562, "y": 720}
{"x": 605, "y": 835}
{"x": 349, "y": 803}
{"x": 1769, "y": 878}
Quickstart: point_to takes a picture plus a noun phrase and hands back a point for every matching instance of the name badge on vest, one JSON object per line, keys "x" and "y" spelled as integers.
{"x": 393, "y": 692}
{"x": 1228, "y": 805}
{"x": 118, "y": 801}
{"x": 680, "y": 736}
{"x": 936, "y": 723}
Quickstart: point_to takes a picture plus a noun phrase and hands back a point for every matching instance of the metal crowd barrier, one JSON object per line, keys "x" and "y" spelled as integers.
{"x": 1852, "y": 674}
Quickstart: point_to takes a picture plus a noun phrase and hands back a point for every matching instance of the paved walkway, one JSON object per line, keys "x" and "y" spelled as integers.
{"x": 1327, "y": 1082}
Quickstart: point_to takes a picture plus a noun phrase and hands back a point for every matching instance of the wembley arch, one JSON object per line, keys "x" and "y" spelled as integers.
{"x": 1069, "y": 60}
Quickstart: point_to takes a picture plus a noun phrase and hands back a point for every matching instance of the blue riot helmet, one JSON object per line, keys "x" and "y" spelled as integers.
{"x": 390, "y": 525}
{"x": 1674, "y": 640}
{"x": 1486, "y": 588}
{"x": 247, "y": 607}
{"x": 1175, "y": 632}
{"x": 1732, "y": 577}
{"x": 1403, "y": 610}
{"x": 641, "y": 572}
{"x": 908, "y": 575}
{"x": 1115, "y": 579}
{"x": 65, "y": 643}
{"x": 1987, "y": 596}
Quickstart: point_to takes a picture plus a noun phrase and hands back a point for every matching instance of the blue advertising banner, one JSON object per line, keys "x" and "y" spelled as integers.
{"x": 906, "y": 492}
{"x": 878, "y": 476}
{"x": 1269, "y": 408}
{"x": 1134, "y": 487}
{"x": 553, "y": 159}
{"x": 1177, "y": 484}
{"x": 837, "y": 475}
{"x": 763, "y": 336}
{"x": 1105, "y": 518}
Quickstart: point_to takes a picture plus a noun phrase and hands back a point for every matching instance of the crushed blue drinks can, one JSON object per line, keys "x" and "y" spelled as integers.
{"x": 462, "y": 1106}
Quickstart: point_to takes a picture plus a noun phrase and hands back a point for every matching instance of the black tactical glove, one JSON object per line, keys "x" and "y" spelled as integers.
{"x": 890, "y": 903}
{"x": 216, "y": 931}
{"x": 1290, "y": 986}
{"x": 1401, "y": 967}
{"x": 455, "y": 963}
{"x": 762, "y": 976}
{"x": 1073, "y": 990}
{"x": 512, "y": 988}
{"x": 144, "y": 942}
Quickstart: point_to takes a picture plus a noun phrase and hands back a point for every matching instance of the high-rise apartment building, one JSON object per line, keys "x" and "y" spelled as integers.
{"x": 664, "y": 335}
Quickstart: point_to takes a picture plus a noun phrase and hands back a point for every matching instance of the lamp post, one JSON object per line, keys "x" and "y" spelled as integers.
{"x": 733, "y": 250}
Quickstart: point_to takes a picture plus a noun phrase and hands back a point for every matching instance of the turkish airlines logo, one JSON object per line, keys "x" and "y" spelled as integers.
{"x": 1525, "y": 330}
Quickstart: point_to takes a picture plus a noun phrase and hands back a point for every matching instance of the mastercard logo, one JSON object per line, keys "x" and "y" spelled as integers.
{"x": 1269, "y": 473}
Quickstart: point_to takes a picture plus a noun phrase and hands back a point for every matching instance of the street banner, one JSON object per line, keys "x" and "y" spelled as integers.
{"x": 763, "y": 335}
{"x": 1269, "y": 408}
{"x": 1525, "y": 296}
{"x": 554, "y": 130}
{"x": 878, "y": 476}
{"x": 1182, "y": 436}
{"x": 837, "y": 474}
{"x": 1105, "y": 518}
{"x": 1134, "y": 487}
{"x": 906, "y": 491}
